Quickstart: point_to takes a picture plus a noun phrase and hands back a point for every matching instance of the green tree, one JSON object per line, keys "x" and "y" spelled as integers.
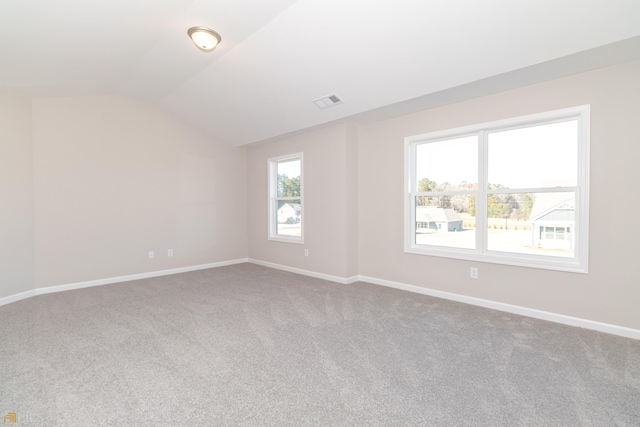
{"x": 288, "y": 187}
{"x": 526, "y": 205}
{"x": 445, "y": 201}
{"x": 425, "y": 185}
{"x": 496, "y": 209}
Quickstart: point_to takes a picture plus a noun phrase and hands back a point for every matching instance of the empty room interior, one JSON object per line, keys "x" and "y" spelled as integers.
{"x": 305, "y": 212}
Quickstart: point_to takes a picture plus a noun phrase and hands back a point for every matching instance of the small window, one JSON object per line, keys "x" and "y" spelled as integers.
{"x": 512, "y": 192}
{"x": 286, "y": 199}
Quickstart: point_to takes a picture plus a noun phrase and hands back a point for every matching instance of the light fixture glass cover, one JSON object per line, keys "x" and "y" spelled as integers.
{"x": 204, "y": 38}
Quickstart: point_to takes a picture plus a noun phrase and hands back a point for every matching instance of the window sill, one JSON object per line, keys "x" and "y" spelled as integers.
{"x": 571, "y": 265}
{"x": 287, "y": 239}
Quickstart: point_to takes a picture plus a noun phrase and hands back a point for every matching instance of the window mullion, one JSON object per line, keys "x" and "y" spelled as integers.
{"x": 410, "y": 192}
{"x": 481, "y": 197}
{"x": 571, "y": 189}
{"x": 444, "y": 193}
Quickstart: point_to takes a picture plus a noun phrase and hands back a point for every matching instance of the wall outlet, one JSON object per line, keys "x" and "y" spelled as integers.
{"x": 473, "y": 272}
{"x": 151, "y": 255}
{"x": 169, "y": 252}
{"x": 306, "y": 252}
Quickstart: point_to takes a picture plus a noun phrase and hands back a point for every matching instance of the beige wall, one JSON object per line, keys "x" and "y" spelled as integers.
{"x": 116, "y": 178}
{"x": 611, "y": 291}
{"x": 16, "y": 196}
{"x": 330, "y": 202}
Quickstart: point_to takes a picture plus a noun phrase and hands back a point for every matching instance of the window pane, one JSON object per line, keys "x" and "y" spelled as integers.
{"x": 447, "y": 165}
{"x": 531, "y": 223}
{"x": 289, "y": 178}
{"x": 289, "y": 218}
{"x": 452, "y": 226}
{"x": 534, "y": 157}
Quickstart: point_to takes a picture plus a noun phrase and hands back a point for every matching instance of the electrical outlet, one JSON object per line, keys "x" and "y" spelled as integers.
{"x": 306, "y": 252}
{"x": 473, "y": 272}
{"x": 169, "y": 252}
{"x": 151, "y": 255}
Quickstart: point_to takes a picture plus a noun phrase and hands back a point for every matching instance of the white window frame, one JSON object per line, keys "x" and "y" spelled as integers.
{"x": 273, "y": 198}
{"x": 579, "y": 263}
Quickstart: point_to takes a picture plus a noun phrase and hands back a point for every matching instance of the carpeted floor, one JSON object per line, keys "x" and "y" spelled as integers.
{"x": 247, "y": 345}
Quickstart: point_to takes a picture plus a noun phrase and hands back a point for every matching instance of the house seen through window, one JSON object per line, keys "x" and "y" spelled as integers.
{"x": 513, "y": 192}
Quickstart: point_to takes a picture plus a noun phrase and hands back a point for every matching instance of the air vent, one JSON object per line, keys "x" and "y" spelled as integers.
{"x": 327, "y": 101}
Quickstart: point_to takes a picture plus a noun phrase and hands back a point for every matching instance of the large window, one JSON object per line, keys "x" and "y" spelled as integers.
{"x": 512, "y": 192}
{"x": 285, "y": 198}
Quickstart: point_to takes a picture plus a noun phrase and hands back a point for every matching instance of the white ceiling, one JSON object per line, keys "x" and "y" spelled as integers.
{"x": 381, "y": 57}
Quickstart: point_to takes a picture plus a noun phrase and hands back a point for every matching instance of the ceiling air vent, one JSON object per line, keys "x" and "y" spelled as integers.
{"x": 327, "y": 101}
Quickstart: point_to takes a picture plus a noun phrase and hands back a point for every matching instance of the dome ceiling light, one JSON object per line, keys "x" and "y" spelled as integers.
{"x": 204, "y": 38}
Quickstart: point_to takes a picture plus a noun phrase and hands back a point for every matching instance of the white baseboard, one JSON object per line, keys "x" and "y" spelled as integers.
{"x": 18, "y": 297}
{"x": 523, "y": 311}
{"x": 337, "y": 279}
{"x": 515, "y": 309}
{"x": 110, "y": 280}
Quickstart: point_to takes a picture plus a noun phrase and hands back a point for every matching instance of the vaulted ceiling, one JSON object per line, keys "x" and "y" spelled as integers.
{"x": 381, "y": 57}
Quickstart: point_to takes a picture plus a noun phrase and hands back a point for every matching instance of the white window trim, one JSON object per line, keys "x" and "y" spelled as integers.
{"x": 272, "y": 165}
{"x": 579, "y": 263}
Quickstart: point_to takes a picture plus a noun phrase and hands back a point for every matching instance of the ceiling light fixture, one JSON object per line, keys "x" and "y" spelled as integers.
{"x": 205, "y": 38}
